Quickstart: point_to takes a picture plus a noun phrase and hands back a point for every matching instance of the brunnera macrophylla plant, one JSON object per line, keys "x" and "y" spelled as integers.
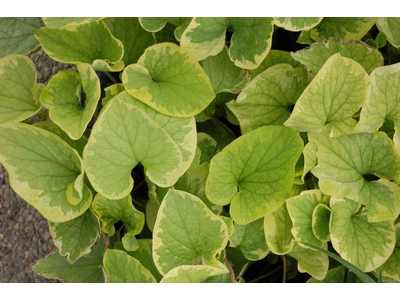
{"x": 210, "y": 148}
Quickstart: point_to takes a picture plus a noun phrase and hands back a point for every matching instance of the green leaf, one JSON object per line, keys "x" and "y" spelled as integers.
{"x": 155, "y": 24}
{"x": 18, "y": 89}
{"x": 342, "y": 28}
{"x": 192, "y": 274}
{"x": 364, "y": 244}
{"x": 297, "y": 23}
{"x": 315, "y": 56}
{"x": 16, "y": 35}
{"x": 130, "y": 242}
{"x": 383, "y": 102}
{"x": 224, "y": 75}
{"x": 305, "y": 38}
{"x": 170, "y": 80}
{"x": 219, "y": 135}
{"x": 268, "y": 98}
{"x": 255, "y": 172}
{"x": 76, "y": 237}
{"x": 219, "y": 109}
{"x": 45, "y": 171}
{"x": 357, "y": 156}
{"x": 78, "y": 145}
{"x": 391, "y": 268}
{"x": 320, "y": 222}
{"x": 207, "y": 146}
{"x": 301, "y": 209}
{"x": 250, "y": 239}
{"x": 390, "y": 27}
{"x": 335, "y": 95}
{"x": 335, "y": 275}
{"x": 277, "y": 229}
{"x": 310, "y": 158}
{"x": 122, "y": 268}
{"x": 90, "y": 43}
{"x": 63, "y": 98}
{"x": 134, "y": 39}
{"x": 57, "y": 22}
{"x": 165, "y": 146}
{"x": 112, "y": 91}
{"x": 144, "y": 254}
{"x": 250, "y": 42}
{"x": 275, "y": 57}
{"x": 194, "y": 181}
{"x": 86, "y": 269}
{"x": 186, "y": 229}
{"x": 313, "y": 262}
{"x": 112, "y": 211}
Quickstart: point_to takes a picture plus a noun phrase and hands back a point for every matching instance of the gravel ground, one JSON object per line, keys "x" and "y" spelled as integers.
{"x": 24, "y": 233}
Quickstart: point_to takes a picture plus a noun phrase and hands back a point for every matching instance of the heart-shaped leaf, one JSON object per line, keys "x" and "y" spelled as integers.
{"x": 334, "y": 95}
{"x": 391, "y": 27}
{"x": 68, "y": 107}
{"x": 186, "y": 231}
{"x": 255, "y": 172}
{"x": 18, "y": 89}
{"x": 268, "y": 98}
{"x": 170, "y": 80}
{"x": 250, "y": 42}
{"x": 351, "y": 231}
{"x": 165, "y": 146}
{"x": 45, "y": 171}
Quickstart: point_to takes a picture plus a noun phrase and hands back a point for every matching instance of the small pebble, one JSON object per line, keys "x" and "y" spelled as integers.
{"x": 46, "y": 236}
{"x": 39, "y": 75}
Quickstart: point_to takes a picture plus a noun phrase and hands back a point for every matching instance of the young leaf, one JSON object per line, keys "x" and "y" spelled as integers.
{"x": 112, "y": 211}
{"x": 268, "y": 98}
{"x": 357, "y": 156}
{"x": 277, "y": 229}
{"x": 63, "y": 98}
{"x": 122, "y": 268}
{"x": 170, "y": 80}
{"x": 224, "y": 75}
{"x": 364, "y": 244}
{"x": 16, "y": 35}
{"x": 310, "y": 158}
{"x": 18, "y": 89}
{"x": 334, "y": 95}
{"x": 86, "y": 269}
{"x": 297, "y": 23}
{"x": 155, "y": 24}
{"x": 301, "y": 209}
{"x": 128, "y": 132}
{"x": 250, "y": 42}
{"x": 320, "y": 222}
{"x": 391, "y": 268}
{"x": 112, "y": 91}
{"x": 335, "y": 275}
{"x": 383, "y": 102}
{"x": 90, "y": 43}
{"x": 45, "y": 171}
{"x": 342, "y": 28}
{"x": 391, "y": 27}
{"x": 57, "y": 22}
{"x": 185, "y": 231}
{"x": 134, "y": 39}
{"x": 76, "y": 237}
{"x": 315, "y": 56}
{"x": 255, "y": 172}
{"x": 192, "y": 274}
{"x": 275, "y": 57}
{"x": 250, "y": 239}
{"x": 313, "y": 262}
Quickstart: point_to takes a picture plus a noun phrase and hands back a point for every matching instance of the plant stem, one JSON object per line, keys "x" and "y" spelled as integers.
{"x": 111, "y": 77}
{"x": 284, "y": 268}
{"x": 220, "y": 124}
{"x": 138, "y": 203}
{"x": 231, "y": 272}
